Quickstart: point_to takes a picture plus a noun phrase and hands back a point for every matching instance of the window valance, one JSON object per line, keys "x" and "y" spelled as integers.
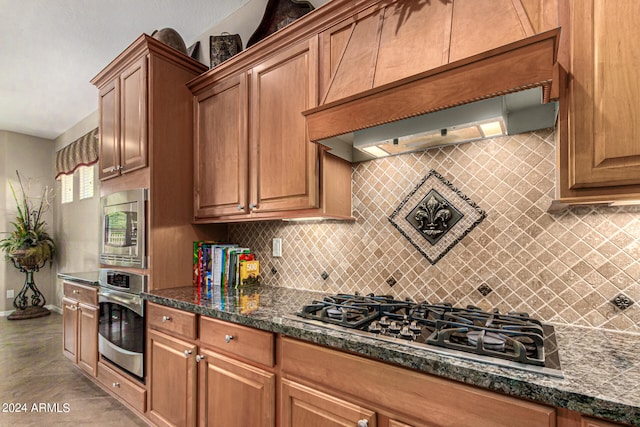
{"x": 81, "y": 152}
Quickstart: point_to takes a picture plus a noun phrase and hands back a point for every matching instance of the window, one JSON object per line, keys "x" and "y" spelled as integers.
{"x": 86, "y": 181}
{"x": 66, "y": 195}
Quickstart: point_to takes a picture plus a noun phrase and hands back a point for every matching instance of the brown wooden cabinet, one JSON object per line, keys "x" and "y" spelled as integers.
{"x": 233, "y": 393}
{"x": 567, "y": 418}
{"x": 123, "y": 121}
{"x": 221, "y": 139}
{"x": 172, "y": 380}
{"x": 80, "y": 326}
{"x": 598, "y": 134}
{"x": 222, "y": 378}
{"x": 285, "y": 168}
{"x": 253, "y": 157}
{"x": 305, "y": 406}
{"x": 422, "y": 400}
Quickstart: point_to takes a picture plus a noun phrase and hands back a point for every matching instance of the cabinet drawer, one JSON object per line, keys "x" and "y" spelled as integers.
{"x": 132, "y": 393}
{"x": 251, "y": 344}
{"x": 432, "y": 400}
{"x": 81, "y": 293}
{"x": 171, "y": 320}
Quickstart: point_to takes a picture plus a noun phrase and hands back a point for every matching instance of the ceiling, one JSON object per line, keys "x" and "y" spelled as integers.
{"x": 51, "y": 49}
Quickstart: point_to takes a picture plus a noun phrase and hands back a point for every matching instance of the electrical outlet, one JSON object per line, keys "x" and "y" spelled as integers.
{"x": 277, "y": 247}
{"x": 10, "y": 294}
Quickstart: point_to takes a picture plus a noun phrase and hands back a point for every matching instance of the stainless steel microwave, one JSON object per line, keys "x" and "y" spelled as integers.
{"x": 123, "y": 226}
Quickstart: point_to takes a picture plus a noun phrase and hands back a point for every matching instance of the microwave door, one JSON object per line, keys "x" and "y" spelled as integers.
{"x": 121, "y": 229}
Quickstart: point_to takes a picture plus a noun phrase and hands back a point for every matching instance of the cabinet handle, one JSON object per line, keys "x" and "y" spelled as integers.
{"x": 187, "y": 353}
{"x": 116, "y": 385}
{"x": 240, "y": 207}
{"x": 75, "y": 291}
{"x": 199, "y": 358}
{"x": 71, "y": 307}
{"x": 166, "y": 319}
{"x": 252, "y": 206}
{"x": 228, "y": 338}
{"x": 363, "y": 423}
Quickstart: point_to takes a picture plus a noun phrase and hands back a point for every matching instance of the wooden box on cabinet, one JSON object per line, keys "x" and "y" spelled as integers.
{"x": 80, "y": 316}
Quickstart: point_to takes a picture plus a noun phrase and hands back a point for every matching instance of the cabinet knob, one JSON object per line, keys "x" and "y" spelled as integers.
{"x": 240, "y": 207}
{"x": 75, "y": 291}
{"x": 252, "y": 206}
{"x": 228, "y": 338}
{"x": 116, "y": 385}
{"x": 165, "y": 319}
{"x": 187, "y": 353}
{"x": 199, "y": 358}
{"x": 363, "y": 423}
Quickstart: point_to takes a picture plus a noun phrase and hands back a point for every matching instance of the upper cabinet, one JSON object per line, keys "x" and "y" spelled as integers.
{"x": 600, "y": 116}
{"x": 253, "y": 157}
{"x": 123, "y": 121}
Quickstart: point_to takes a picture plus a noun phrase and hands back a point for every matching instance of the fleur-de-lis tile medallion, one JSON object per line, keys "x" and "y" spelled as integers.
{"x": 435, "y": 216}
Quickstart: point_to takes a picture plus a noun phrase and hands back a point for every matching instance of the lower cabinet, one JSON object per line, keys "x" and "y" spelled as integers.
{"x": 305, "y": 406}
{"x": 207, "y": 372}
{"x": 80, "y": 326}
{"x": 234, "y": 394}
{"x": 210, "y": 379}
{"x": 131, "y": 392}
{"x": 398, "y": 396}
{"x": 172, "y": 380}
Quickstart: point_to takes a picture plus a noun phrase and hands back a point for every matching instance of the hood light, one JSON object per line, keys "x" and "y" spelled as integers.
{"x": 491, "y": 128}
{"x": 376, "y": 151}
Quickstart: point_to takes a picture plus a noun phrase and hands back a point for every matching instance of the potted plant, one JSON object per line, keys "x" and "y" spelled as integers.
{"x": 29, "y": 246}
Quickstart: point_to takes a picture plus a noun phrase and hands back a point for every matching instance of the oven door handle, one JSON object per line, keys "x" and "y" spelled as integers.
{"x": 134, "y": 303}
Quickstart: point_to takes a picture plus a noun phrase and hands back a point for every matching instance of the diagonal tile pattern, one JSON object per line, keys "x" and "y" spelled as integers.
{"x": 564, "y": 268}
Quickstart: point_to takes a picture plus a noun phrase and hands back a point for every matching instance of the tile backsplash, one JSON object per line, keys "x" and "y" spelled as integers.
{"x": 566, "y": 267}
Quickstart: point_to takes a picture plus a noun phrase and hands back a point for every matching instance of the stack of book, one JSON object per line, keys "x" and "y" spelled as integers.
{"x": 220, "y": 267}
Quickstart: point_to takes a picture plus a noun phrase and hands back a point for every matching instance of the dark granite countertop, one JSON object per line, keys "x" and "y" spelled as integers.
{"x": 601, "y": 368}
{"x": 89, "y": 278}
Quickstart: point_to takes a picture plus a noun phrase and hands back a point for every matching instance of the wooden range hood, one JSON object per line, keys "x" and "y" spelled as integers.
{"x": 400, "y": 59}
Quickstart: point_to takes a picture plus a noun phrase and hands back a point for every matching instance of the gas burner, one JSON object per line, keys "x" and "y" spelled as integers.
{"x": 512, "y": 337}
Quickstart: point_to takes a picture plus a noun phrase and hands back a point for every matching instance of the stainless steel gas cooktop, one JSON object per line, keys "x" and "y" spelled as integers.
{"x": 512, "y": 340}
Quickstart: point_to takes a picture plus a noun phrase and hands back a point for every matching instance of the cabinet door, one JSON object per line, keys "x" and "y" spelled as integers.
{"x": 133, "y": 116}
{"x": 70, "y": 329}
{"x": 304, "y": 406}
{"x": 283, "y": 162}
{"x": 109, "y": 130}
{"x": 604, "y": 121}
{"x": 88, "y": 338}
{"x": 172, "y": 379}
{"x": 235, "y": 394}
{"x": 221, "y": 149}
{"x": 592, "y": 422}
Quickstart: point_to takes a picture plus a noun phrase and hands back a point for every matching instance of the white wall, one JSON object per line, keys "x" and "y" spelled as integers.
{"x": 77, "y": 223}
{"x": 32, "y": 157}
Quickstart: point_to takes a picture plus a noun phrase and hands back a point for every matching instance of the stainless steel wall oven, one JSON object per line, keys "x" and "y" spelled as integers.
{"x": 121, "y": 336}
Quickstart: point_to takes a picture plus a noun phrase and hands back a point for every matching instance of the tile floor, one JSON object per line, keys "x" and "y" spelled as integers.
{"x": 36, "y": 376}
